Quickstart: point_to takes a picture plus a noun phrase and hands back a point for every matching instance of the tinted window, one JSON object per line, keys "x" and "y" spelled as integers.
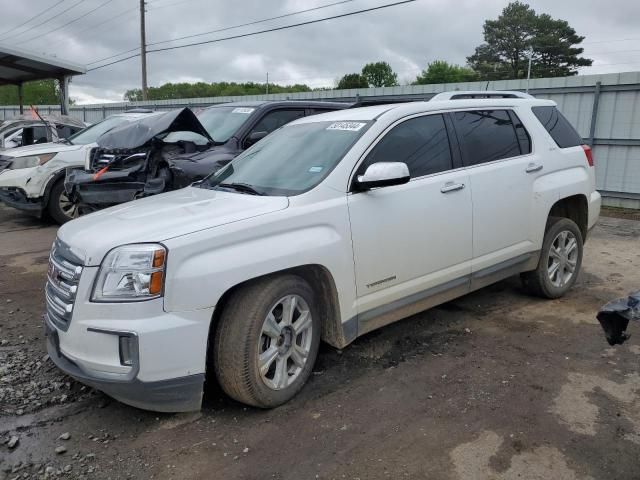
{"x": 486, "y": 135}
{"x": 558, "y": 127}
{"x": 274, "y": 120}
{"x": 422, "y": 143}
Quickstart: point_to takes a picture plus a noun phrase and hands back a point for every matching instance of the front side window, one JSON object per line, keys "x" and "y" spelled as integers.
{"x": 422, "y": 143}
{"x": 558, "y": 126}
{"x": 486, "y": 135}
{"x": 276, "y": 119}
{"x": 290, "y": 161}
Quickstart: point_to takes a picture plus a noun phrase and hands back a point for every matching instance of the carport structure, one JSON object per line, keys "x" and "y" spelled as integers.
{"x": 19, "y": 66}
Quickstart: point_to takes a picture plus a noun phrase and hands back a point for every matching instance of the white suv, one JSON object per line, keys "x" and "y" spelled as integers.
{"x": 332, "y": 226}
{"x": 32, "y": 177}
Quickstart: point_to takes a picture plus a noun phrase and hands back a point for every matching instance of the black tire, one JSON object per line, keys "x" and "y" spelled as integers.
{"x": 239, "y": 338}
{"x": 539, "y": 282}
{"x": 54, "y": 208}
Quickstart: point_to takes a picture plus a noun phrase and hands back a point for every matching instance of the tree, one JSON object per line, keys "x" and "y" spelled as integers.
{"x": 504, "y": 55}
{"x": 352, "y": 80}
{"x": 217, "y": 89}
{"x": 40, "y": 92}
{"x": 440, "y": 71}
{"x": 379, "y": 74}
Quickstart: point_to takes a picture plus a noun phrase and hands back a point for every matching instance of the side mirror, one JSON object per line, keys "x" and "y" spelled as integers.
{"x": 383, "y": 174}
{"x": 254, "y": 137}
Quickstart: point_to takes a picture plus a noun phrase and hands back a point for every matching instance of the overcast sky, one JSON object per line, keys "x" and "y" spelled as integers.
{"x": 407, "y": 36}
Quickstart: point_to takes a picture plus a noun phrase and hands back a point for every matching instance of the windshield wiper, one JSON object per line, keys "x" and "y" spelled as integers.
{"x": 240, "y": 187}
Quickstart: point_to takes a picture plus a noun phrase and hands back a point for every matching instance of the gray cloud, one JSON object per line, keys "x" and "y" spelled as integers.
{"x": 406, "y": 36}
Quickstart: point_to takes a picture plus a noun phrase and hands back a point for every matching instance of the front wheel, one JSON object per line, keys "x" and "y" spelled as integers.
{"x": 60, "y": 207}
{"x": 267, "y": 341}
{"x": 560, "y": 260}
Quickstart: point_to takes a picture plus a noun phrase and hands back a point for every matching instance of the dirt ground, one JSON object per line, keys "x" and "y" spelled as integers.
{"x": 494, "y": 385}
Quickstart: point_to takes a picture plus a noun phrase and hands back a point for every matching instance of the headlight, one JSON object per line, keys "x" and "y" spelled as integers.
{"x": 131, "y": 273}
{"x": 31, "y": 161}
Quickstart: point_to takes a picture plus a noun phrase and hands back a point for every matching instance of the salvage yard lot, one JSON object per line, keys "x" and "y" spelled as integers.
{"x": 495, "y": 384}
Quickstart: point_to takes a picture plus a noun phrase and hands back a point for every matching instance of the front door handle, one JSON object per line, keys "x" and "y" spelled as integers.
{"x": 533, "y": 167}
{"x": 451, "y": 187}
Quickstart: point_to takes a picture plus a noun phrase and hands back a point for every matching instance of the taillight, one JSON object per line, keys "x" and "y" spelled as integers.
{"x": 589, "y": 153}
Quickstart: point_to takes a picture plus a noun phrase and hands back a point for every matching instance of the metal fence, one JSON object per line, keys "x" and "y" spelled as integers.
{"x": 604, "y": 108}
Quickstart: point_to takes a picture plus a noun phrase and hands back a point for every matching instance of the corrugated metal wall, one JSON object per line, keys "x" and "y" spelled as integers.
{"x": 613, "y": 128}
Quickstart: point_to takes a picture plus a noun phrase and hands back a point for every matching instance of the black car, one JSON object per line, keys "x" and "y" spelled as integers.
{"x": 171, "y": 150}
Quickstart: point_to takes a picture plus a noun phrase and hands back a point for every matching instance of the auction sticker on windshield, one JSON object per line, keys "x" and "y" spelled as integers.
{"x": 244, "y": 110}
{"x": 346, "y": 126}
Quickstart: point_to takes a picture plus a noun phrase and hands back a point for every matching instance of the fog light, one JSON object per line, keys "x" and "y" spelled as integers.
{"x": 127, "y": 350}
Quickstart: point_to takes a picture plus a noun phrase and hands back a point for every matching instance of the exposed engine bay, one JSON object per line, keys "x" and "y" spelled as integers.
{"x": 139, "y": 159}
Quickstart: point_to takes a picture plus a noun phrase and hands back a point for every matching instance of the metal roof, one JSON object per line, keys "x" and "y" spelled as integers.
{"x": 17, "y": 66}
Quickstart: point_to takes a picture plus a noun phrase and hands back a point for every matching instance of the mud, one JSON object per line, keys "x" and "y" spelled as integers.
{"x": 494, "y": 385}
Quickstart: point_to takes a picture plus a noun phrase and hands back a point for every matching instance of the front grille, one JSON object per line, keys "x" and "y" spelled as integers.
{"x": 63, "y": 277}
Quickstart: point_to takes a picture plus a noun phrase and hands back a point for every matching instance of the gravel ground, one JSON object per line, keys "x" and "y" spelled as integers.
{"x": 493, "y": 385}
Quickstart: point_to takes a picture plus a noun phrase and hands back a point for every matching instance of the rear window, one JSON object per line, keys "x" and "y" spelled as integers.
{"x": 558, "y": 127}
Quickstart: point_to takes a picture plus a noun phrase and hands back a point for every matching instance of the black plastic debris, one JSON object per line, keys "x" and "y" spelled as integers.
{"x": 614, "y": 317}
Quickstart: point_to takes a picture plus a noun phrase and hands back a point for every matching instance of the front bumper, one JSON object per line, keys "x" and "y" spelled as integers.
{"x": 17, "y": 198}
{"x": 182, "y": 394}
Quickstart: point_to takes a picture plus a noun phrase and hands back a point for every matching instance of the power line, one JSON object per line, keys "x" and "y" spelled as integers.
{"x": 47, "y": 20}
{"x": 222, "y": 29}
{"x": 274, "y": 29}
{"x": 99, "y": 24}
{"x": 285, "y": 27}
{"x": 69, "y": 22}
{"x": 32, "y": 18}
{"x": 252, "y": 23}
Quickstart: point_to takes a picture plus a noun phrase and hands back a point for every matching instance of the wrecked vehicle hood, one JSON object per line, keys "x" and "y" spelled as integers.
{"x": 161, "y": 217}
{"x": 138, "y": 133}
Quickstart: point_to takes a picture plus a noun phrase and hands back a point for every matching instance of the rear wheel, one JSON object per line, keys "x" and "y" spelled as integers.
{"x": 560, "y": 260}
{"x": 267, "y": 341}
{"x": 60, "y": 207}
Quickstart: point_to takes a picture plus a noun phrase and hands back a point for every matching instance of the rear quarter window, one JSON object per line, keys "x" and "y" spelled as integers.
{"x": 558, "y": 126}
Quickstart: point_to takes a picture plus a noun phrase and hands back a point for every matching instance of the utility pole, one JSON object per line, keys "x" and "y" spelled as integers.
{"x": 530, "y": 52}
{"x": 267, "y": 83}
{"x": 143, "y": 50}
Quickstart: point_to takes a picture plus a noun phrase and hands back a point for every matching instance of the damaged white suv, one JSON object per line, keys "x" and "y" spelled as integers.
{"x": 332, "y": 226}
{"x": 32, "y": 177}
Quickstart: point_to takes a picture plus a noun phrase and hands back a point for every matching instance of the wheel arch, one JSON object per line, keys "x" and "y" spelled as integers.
{"x": 323, "y": 284}
{"x": 56, "y": 177}
{"x": 575, "y": 208}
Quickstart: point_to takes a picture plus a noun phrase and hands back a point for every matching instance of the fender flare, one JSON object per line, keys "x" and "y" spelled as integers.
{"x": 60, "y": 174}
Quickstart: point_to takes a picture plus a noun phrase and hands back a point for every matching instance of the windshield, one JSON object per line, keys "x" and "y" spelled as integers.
{"x": 91, "y": 134}
{"x": 223, "y": 122}
{"x": 290, "y": 161}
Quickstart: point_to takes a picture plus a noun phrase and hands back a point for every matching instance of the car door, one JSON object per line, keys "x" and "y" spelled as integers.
{"x": 496, "y": 149}
{"x": 411, "y": 241}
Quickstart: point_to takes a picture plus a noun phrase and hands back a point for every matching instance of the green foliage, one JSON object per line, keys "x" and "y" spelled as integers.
{"x": 352, "y": 80}
{"x": 504, "y": 55}
{"x": 440, "y": 71}
{"x": 217, "y": 89}
{"x": 379, "y": 74}
{"x": 40, "y": 92}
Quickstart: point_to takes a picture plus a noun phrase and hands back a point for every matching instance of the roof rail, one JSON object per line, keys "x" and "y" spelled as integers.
{"x": 139, "y": 110}
{"x": 465, "y": 95}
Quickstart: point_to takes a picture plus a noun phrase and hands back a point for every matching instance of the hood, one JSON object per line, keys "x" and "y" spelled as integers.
{"x": 161, "y": 217}
{"x": 136, "y": 134}
{"x": 41, "y": 148}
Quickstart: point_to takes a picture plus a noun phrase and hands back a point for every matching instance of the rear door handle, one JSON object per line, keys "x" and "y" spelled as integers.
{"x": 533, "y": 167}
{"x": 451, "y": 187}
